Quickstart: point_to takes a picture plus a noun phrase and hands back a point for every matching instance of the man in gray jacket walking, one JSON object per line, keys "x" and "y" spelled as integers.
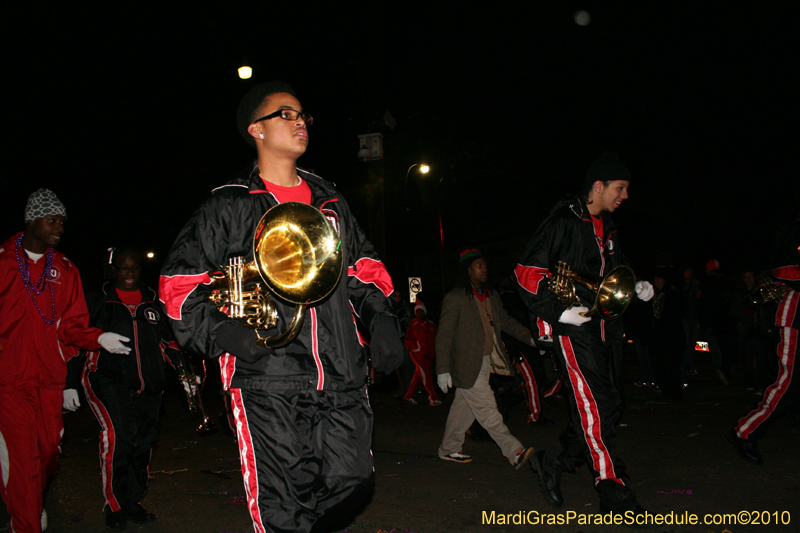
{"x": 468, "y": 349}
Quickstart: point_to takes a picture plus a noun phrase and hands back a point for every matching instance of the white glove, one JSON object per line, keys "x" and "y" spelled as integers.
{"x": 112, "y": 343}
{"x": 644, "y": 290}
{"x": 191, "y": 388}
{"x": 71, "y": 401}
{"x": 445, "y": 381}
{"x": 573, "y": 316}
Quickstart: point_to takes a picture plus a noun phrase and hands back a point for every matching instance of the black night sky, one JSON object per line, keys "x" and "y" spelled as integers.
{"x": 128, "y": 114}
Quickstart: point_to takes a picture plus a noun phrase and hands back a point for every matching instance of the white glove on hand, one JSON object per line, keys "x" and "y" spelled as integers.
{"x": 644, "y": 290}
{"x": 71, "y": 401}
{"x": 191, "y": 388}
{"x": 445, "y": 382}
{"x": 573, "y": 316}
{"x": 112, "y": 343}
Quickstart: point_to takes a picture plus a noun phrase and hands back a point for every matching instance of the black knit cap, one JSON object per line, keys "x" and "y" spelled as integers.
{"x": 607, "y": 167}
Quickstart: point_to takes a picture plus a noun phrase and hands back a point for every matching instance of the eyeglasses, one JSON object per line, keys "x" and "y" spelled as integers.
{"x": 288, "y": 113}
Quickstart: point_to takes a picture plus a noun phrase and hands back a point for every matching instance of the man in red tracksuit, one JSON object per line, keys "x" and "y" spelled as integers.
{"x": 420, "y": 340}
{"x": 43, "y": 322}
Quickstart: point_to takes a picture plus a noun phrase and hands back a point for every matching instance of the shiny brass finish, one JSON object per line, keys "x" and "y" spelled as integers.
{"x": 612, "y": 294}
{"x": 192, "y": 389}
{"x": 297, "y": 257}
{"x": 766, "y": 290}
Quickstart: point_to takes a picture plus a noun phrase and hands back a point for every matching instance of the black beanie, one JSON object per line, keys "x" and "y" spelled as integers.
{"x": 607, "y": 167}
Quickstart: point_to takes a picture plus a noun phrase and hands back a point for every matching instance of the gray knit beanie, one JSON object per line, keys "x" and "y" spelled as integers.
{"x": 42, "y": 203}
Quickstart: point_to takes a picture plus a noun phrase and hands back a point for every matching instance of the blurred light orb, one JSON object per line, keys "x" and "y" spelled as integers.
{"x": 150, "y": 255}
{"x": 582, "y": 18}
{"x": 424, "y": 169}
{"x": 245, "y": 72}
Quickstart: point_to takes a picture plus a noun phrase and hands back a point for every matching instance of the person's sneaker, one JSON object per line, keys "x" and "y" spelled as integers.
{"x": 434, "y": 403}
{"x": 410, "y": 401}
{"x": 457, "y": 457}
{"x": 748, "y": 450}
{"x": 685, "y": 386}
{"x": 522, "y": 457}
{"x": 115, "y": 521}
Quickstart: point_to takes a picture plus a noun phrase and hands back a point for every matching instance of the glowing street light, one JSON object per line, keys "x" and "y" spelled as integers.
{"x": 245, "y": 72}
{"x": 423, "y": 169}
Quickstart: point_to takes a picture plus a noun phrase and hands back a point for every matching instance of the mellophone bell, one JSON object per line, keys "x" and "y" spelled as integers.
{"x": 296, "y": 256}
{"x": 612, "y": 294}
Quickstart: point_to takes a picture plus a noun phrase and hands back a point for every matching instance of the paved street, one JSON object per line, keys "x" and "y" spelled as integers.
{"x": 677, "y": 457}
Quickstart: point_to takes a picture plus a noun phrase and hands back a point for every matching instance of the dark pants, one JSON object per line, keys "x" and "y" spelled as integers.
{"x": 129, "y": 423}
{"x": 305, "y": 456}
{"x": 595, "y": 406}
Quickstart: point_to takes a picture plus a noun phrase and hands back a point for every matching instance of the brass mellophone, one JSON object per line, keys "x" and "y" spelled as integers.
{"x": 612, "y": 294}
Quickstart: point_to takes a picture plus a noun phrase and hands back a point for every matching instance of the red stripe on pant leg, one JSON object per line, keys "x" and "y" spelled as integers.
{"x": 554, "y": 388}
{"x": 531, "y": 390}
{"x": 247, "y": 458}
{"x": 590, "y": 416}
{"x": 787, "y": 349}
{"x": 108, "y": 441}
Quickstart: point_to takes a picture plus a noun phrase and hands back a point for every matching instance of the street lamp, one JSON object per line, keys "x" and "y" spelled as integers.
{"x": 423, "y": 169}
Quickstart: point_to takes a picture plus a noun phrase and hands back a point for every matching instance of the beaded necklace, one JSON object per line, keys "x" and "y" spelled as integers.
{"x": 35, "y": 289}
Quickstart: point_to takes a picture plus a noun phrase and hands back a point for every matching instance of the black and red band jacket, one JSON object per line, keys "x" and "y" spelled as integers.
{"x": 328, "y": 353}
{"x": 568, "y": 235}
{"x": 151, "y": 341}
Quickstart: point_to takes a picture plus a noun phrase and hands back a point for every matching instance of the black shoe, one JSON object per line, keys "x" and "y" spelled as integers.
{"x": 542, "y": 422}
{"x": 140, "y": 515}
{"x": 115, "y": 521}
{"x": 748, "y": 450}
{"x": 549, "y": 479}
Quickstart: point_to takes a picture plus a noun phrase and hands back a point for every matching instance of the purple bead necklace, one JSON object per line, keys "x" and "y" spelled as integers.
{"x": 35, "y": 289}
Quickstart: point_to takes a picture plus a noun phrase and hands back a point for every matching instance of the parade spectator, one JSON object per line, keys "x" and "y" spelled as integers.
{"x": 714, "y": 315}
{"x": 784, "y": 395}
{"x": 420, "y": 341}
{"x": 690, "y": 289}
{"x": 43, "y": 323}
{"x": 468, "y": 349}
{"x": 746, "y": 315}
{"x": 666, "y": 340}
{"x": 405, "y": 314}
{"x": 579, "y": 231}
{"x": 125, "y": 392}
{"x": 638, "y": 326}
{"x": 303, "y": 416}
